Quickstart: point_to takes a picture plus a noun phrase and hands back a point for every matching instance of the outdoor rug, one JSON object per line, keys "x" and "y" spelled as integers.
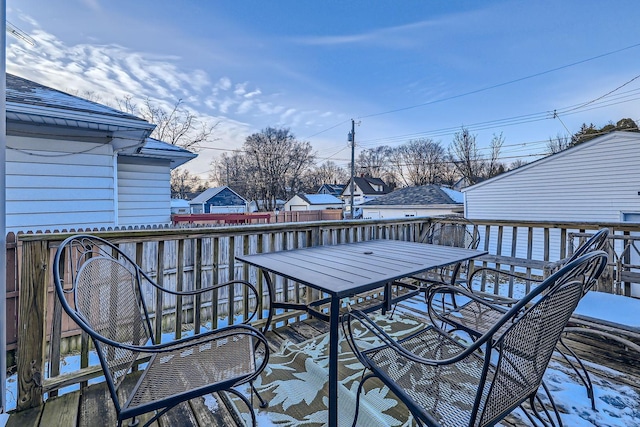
{"x": 295, "y": 377}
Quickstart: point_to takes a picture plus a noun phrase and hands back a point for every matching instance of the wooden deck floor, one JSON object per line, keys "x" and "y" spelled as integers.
{"x": 94, "y": 406}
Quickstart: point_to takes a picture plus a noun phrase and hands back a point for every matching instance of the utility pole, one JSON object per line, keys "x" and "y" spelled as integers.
{"x": 352, "y": 139}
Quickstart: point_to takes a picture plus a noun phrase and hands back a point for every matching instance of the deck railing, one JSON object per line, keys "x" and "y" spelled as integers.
{"x": 195, "y": 258}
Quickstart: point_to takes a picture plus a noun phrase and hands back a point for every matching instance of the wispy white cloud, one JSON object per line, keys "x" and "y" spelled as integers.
{"x": 400, "y": 36}
{"x": 110, "y": 72}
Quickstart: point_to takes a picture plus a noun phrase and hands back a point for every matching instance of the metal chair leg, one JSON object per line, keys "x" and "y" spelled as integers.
{"x": 254, "y": 421}
{"x": 586, "y": 380}
{"x": 263, "y": 403}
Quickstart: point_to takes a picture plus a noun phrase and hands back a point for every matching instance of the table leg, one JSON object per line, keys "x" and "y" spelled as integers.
{"x": 388, "y": 296}
{"x": 272, "y": 299}
{"x": 333, "y": 361}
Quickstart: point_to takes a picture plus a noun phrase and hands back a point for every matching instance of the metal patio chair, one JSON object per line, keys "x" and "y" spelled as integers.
{"x": 445, "y": 230}
{"x": 444, "y": 382}
{"x": 102, "y": 290}
{"x": 449, "y": 230}
{"x": 475, "y": 319}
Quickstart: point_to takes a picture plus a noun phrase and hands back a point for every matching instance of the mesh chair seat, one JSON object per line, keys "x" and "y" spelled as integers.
{"x": 441, "y": 390}
{"x": 223, "y": 358}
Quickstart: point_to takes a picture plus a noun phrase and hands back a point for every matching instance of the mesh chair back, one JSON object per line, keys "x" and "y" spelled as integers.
{"x": 597, "y": 242}
{"x": 105, "y": 301}
{"x": 106, "y": 297}
{"x": 452, "y": 231}
{"x": 526, "y": 347}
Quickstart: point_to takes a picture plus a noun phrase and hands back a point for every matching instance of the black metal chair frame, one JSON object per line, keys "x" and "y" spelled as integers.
{"x": 512, "y": 355}
{"x": 456, "y": 316}
{"x": 101, "y": 267}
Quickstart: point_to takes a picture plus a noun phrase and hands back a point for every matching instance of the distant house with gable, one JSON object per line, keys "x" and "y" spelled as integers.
{"x": 332, "y": 189}
{"x": 218, "y": 200}
{"x": 423, "y": 200}
{"x": 365, "y": 188}
{"x": 72, "y": 163}
{"x": 312, "y": 202}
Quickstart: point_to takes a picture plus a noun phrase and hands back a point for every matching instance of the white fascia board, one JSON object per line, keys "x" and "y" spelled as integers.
{"x": 55, "y": 113}
{"x": 175, "y": 157}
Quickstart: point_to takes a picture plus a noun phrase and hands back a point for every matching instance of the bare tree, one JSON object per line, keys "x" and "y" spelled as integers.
{"x": 184, "y": 184}
{"x": 494, "y": 166}
{"x": 275, "y": 163}
{"x": 558, "y": 144}
{"x": 375, "y": 162}
{"x": 472, "y": 165}
{"x": 418, "y": 162}
{"x": 466, "y": 157}
{"x": 327, "y": 173}
{"x": 517, "y": 163}
{"x": 176, "y": 126}
{"x": 230, "y": 170}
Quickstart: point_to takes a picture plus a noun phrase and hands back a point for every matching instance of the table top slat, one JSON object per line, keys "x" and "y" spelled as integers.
{"x": 345, "y": 269}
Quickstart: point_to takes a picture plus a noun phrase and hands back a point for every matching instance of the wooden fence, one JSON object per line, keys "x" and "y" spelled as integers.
{"x": 198, "y": 257}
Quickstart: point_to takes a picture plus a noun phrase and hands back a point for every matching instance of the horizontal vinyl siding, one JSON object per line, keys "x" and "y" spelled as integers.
{"x": 592, "y": 183}
{"x": 58, "y": 184}
{"x": 144, "y": 193}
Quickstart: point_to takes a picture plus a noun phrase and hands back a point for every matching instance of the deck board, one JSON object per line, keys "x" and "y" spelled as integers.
{"x": 28, "y": 418}
{"x": 96, "y": 405}
{"x": 61, "y": 410}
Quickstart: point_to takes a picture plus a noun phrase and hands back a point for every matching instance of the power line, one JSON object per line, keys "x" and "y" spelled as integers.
{"x": 502, "y": 84}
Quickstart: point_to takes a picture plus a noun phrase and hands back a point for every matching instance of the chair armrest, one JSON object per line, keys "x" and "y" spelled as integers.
{"x": 183, "y": 343}
{"x": 500, "y": 304}
{"x": 194, "y": 292}
{"x": 389, "y": 342}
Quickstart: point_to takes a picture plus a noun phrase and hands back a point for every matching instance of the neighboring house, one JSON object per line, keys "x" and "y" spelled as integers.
{"x": 218, "y": 200}
{"x": 423, "y": 200}
{"x": 180, "y": 206}
{"x": 73, "y": 163}
{"x": 332, "y": 189}
{"x": 596, "y": 181}
{"x": 365, "y": 188}
{"x": 312, "y": 202}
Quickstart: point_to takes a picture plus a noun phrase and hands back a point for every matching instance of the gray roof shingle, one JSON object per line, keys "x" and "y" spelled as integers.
{"x": 419, "y": 195}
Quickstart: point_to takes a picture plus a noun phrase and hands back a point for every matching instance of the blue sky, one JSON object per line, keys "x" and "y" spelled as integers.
{"x": 404, "y": 69}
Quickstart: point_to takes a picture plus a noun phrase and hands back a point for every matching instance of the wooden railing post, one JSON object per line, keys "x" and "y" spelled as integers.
{"x": 32, "y": 333}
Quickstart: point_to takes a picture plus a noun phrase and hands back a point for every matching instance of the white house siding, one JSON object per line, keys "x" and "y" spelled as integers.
{"x": 596, "y": 181}
{"x": 144, "y": 191}
{"x": 379, "y": 212}
{"x": 53, "y": 184}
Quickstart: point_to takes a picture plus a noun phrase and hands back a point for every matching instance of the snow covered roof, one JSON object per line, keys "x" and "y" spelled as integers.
{"x": 42, "y": 108}
{"x": 27, "y": 92}
{"x": 320, "y": 199}
{"x": 209, "y": 193}
{"x": 161, "y": 150}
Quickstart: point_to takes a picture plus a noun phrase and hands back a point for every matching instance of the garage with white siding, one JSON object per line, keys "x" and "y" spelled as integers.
{"x": 598, "y": 180}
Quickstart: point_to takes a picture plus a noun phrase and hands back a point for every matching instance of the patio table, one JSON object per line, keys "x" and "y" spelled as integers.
{"x": 345, "y": 270}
